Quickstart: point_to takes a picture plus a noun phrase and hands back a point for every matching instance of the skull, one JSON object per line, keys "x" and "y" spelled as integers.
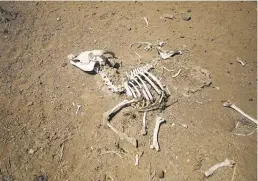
{"x": 88, "y": 61}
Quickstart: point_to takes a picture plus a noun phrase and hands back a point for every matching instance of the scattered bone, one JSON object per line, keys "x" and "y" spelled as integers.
{"x": 225, "y": 163}
{"x": 167, "y": 54}
{"x": 174, "y": 76}
{"x": 238, "y": 59}
{"x": 147, "y": 23}
{"x": 169, "y": 70}
{"x": 137, "y": 158}
{"x": 144, "y": 125}
{"x": 184, "y": 125}
{"x": 78, "y": 108}
{"x": 155, "y": 143}
{"x": 233, "y": 106}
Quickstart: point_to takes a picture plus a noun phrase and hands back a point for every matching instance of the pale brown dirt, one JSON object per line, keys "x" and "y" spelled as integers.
{"x": 37, "y": 92}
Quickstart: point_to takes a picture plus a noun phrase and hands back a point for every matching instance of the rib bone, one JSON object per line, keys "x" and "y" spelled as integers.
{"x": 155, "y": 143}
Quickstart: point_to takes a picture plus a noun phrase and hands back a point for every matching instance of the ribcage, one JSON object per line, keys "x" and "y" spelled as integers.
{"x": 144, "y": 86}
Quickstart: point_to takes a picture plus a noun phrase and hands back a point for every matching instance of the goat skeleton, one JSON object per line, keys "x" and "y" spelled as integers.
{"x": 145, "y": 91}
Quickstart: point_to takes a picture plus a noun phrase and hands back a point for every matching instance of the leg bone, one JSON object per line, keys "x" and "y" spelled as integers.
{"x": 106, "y": 117}
{"x": 143, "y": 130}
{"x": 155, "y": 143}
{"x": 233, "y": 106}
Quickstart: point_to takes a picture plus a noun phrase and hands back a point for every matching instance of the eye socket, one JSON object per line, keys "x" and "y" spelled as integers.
{"x": 96, "y": 67}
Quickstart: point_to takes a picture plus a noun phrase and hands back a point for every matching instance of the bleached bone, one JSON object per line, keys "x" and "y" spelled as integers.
{"x": 155, "y": 79}
{"x": 141, "y": 88}
{"x": 143, "y": 130}
{"x": 233, "y": 106}
{"x": 128, "y": 91}
{"x": 166, "y": 54}
{"x": 225, "y": 163}
{"x": 155, "y": 143}
{"x": 238, "y": 59}
{"x": 141, "y": 72}
{"x": 146, "y": 20}
{"x": 88, "y": 60}
{"x": 135, "y": 88}
{"x": 174, "y": 76}
{"x": 110, "y": 85}
{"x": 137, "y": 158}
{"x": 106, "y": 117}
{"x": 145, "y": 87}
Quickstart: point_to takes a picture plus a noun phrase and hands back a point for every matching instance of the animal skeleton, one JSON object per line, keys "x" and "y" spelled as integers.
{"x": 143, "y": 89}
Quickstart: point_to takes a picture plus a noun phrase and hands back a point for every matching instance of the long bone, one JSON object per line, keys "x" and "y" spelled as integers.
{"x": 107, "y": 117}
{"x": 143, "y": 130}
{"x": 155, "y": 143}
{"x": 149, "y": 81}
{"x": 225, "y": 163}
{"x": 233, "y": 106}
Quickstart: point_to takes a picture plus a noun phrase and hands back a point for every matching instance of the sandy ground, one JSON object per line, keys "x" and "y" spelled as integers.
{"x": 41, "y": 136}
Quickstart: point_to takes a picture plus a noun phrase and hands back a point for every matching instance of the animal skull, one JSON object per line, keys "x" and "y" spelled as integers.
{"x": 89, "y": 61}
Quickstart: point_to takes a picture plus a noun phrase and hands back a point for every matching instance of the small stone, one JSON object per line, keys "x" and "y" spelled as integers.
{"x": 30, "y": 104}
{"x": 160, "y": 173}
{"x": 58, "y": 19}
{"x": 182, "y": 36}
{"x": 187, "y": 16}
{"x": 64, "y": 64}
{"x": 31, "y": 151}
{"x": 129, "y": 29}
{"x": 251, "y": 99}
{"x": 189, "y": 10}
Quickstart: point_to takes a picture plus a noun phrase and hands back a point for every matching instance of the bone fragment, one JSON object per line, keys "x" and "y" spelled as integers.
{"x": 137, "y": 159}
{"x": 147, "y": 23}
{"x": 233, "y": 106}
{"x": 155, "y": 143}
{"x": 219, "y": 165}
{"x": 78, "y": 108}
{"x": 238, "y": 59}
{"x": 144, "y": 125}
{"x": 174, "y": 76}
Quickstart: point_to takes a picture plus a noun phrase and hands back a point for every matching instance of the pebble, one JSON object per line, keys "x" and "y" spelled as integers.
{"x": 189, "y": 10}
{"x": 129, "y": 29}
{"x": 187, "y": 16}
{"x": 160, "y": 173}
{"x": 58, "y": 19}
{"x": 63, "y": 64}
{"x": 182, "y": 36}
{"x": 251, "y": 99}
